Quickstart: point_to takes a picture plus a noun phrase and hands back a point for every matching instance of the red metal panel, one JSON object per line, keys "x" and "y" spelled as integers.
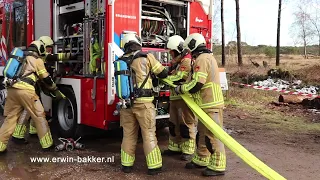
{"x": 88, "y": 116}
{"x": 126, "y": 16}
{"x": 199, "y": 21}
{"x": 30, "y": 27}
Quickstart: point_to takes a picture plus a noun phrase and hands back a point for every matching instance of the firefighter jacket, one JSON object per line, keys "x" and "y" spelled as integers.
{"x": 205, "y": 83}
{"x": 180, "y": 74}
{"x": 143, "y": 65}
{"x": 33, "y": 71}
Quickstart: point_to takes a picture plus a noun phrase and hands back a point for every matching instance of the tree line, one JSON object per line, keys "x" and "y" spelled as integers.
{"x": 269, "y": 51}
{"x": 305, "y": 29}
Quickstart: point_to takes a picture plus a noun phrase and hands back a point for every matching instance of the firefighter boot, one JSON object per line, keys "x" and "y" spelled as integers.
{"x": 49, "y": 149}
{"x": 3, "y": 152}
{"x": 18, "y": 134}
{"x": 126, "y": 169}
{"x": 169, "y": 152}
{"x": 154, "y": 171}
{"x": 188, "y": 148}
{"x": 186, "y": 157}
{"x": 154, "y": 161}
{"x": 209, "y": 172}
{"x": 19, "y": 140}
{"x": 192, "y": 165}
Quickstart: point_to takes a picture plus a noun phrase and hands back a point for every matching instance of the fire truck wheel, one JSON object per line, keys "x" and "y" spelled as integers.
{"x": 66, "y": 112}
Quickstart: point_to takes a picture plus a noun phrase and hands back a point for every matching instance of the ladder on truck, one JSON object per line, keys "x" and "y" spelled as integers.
{"x": 94, "y": 28}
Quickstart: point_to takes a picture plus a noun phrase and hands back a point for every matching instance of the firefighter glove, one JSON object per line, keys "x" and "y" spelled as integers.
{"x": 178, "y": 90}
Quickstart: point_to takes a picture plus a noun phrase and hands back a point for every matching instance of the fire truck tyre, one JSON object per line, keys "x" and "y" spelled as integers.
{"x": 67, "y": 114}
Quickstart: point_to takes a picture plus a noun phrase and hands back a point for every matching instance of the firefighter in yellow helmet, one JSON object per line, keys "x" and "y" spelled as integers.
{"x": 182, "y": 123}
{"x": 22, "y": 95}
{"x": 142, "y": 111}
{"x": 20, "y": 130}
{"x": 49, "y": 57}
{"x": 207, "y": 93}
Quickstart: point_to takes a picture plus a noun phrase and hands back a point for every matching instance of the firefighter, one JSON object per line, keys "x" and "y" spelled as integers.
{"x": 22, "y": 95}
{"x": 182, "y": 123}
{"x": 19, "y": 132}
{"x": 207, "y": 93}
{"x": 18, "y": 135}
{"x": 142, "y": 111}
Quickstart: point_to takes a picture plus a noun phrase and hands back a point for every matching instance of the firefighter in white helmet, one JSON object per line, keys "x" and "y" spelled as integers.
{"x": 142, "y": 111}
{"x": 20, "y": 130}
{"x": 207, "y": 93}
{"x": 22, "y": 95}
{"x": 182, "y": 123}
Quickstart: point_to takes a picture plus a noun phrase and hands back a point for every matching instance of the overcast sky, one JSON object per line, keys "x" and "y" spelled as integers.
{"x": 258, "y": 19}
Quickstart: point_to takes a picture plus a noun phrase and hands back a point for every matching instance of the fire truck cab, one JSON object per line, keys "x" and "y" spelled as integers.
{"x": 91, "y": 30}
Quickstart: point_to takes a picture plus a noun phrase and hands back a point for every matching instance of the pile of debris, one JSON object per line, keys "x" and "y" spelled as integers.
{"x": 283, "y": 80}
{"x": 295, "y": 85}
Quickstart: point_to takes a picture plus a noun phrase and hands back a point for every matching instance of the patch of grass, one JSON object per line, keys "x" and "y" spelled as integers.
{"x": 254, "y": 102}
{"x": 253, "y": 95}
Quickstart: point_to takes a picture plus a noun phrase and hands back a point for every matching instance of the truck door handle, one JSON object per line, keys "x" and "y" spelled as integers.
{"x": 70, "y": 7}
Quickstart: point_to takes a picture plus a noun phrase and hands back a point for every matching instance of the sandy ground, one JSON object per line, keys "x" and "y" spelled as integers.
{"x": 295, "y": 156}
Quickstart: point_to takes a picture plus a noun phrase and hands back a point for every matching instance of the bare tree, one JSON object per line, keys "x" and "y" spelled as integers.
{"x": 313, "y": 15}
{"x": 315, "y": 20}
{"x": 216, "y": 22}
{"x": 222, "y": 37}
{"x": 303, "y": 28}
{"x": 278, "y": 35}
{"x": 238, "y": 34}
{"x": 315, "y": 23}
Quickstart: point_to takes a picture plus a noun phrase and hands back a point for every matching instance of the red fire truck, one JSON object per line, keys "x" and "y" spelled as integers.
{"x": 78, "y": 25}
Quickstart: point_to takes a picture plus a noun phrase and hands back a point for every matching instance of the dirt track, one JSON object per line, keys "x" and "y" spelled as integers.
{"x": 293, "y": 156}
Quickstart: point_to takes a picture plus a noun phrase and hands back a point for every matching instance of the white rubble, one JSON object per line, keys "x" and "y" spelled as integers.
{"x": 286, "y": 85}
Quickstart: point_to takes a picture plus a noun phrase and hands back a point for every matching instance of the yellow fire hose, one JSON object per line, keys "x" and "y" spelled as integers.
{"x": 226, "y": 139}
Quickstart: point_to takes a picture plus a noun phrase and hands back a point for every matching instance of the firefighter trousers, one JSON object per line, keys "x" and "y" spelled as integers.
{"x": 17, "y": 101}
{"x": 182, "y": 128}
{"x": 140, "y": 115}
{"x": 210, "y": 150}
{"x": 21, "y": 126}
